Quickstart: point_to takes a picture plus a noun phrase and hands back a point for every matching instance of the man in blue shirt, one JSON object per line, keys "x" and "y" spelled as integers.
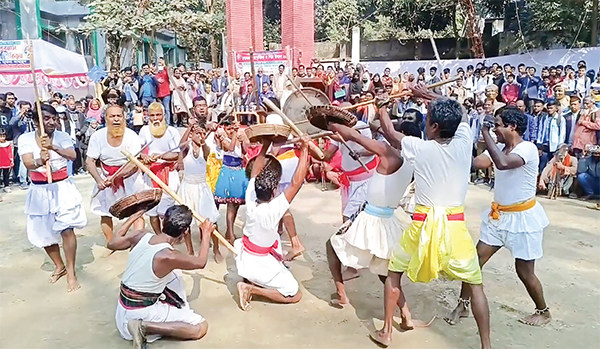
{"x": 530, "y": 134}
{"x": 261, "y": 78}
{"x": 148, "y": 86}
{"x": 529, "y": 85}
{"x": 219, "y": 84}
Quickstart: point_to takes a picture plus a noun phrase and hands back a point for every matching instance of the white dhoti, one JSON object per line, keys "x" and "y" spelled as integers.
{"x": 52, "y": 208}
{"x": 158, "y": 312}
{"x": 166, "y": 200}
{"x": 265, "y": 270}
{"x": 197, "y": 195}
{"x": 353, "y": 196}
{"x": 520, "y": 232}
{"x": 107, "y": 197}
{"x": 369, "y": 241}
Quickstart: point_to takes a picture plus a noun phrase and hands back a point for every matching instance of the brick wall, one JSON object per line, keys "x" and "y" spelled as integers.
{"x": 244, "y": 27}
{"x": 298, "y": 29}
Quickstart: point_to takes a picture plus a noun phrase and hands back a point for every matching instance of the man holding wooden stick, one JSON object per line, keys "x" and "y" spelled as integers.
{"x": 161, "y": 157}
{"x": 152, "y": 300}
{"x": 104, "y": 159}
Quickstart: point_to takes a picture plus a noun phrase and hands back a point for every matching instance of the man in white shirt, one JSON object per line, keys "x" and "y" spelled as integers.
{"x": 516, "y": 220}
{"x": 161, "y": 156}
{"x": 279, "y": 80}
{"x": 104, "y": 158}
{"x": 437, "y": 242}
{"x": 259, "y": 259}
{"x": 53, "y": 209}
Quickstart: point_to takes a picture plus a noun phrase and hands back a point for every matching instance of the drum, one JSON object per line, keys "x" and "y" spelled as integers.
{"x": 144, "y": 200}
{"x": 320, "y": 116}
{"x": 296, "y": 106}
{"x": 278, "y": 133}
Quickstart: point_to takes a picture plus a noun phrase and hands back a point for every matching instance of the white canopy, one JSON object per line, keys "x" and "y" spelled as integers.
{"x": 57, "y": 69}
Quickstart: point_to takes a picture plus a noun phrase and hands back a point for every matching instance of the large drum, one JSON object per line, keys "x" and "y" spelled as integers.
{"x": 296, "y": 107}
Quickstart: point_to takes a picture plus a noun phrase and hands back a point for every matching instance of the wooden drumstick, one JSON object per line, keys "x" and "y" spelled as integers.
{"x": 174, "y": 195}
{"x": 351, "y": 152}
{"x": 401, "y": 94}
{"x": 315, "y": 149}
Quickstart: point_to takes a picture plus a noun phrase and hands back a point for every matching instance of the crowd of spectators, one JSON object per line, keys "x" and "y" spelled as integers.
{"x": 561, "y": 105}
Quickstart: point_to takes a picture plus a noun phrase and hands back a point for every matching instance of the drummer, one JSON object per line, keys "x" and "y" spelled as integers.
{"x": 104, "y": 158}
{"x": 161, "y": 156}
{"x": 288, "y": 158}
{"x": 355, "y": 179}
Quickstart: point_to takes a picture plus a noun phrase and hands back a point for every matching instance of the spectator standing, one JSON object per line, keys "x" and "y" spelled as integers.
{"x": 551, "y": 133}
{"x": 582, "y": 82}
{"x": 510, "y": 90}
{"x": 94, "y": 110}
{"x": 6, "y": 160}
{"x": 469, "y": 82}
{"x": 386, "y": 79}
{"x": 163, "y": 89}
{"x": 20, "y": 123}
{"x": 148, "y": 86}
{"x": 182, "y": 102}
{"x": 571, "y": 116}
{"x": 5, "y": 116}
{"x": 129, "y": 87}
{"x": 261, "y": 78}
{"x": 562, "y": 98}
{"x": 279, "y": 80}
{"x": 586, "y": 131}
{"x": 530, "y": 133}
{"x": 136, "y": 117}
{"x": 219, "y": 84}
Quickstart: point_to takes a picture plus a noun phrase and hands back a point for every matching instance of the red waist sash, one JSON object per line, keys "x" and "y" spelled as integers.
{"x": 451, "y": 217}
{"x": 119, "y": 181}
{"x": 42, "y": 177}
{"x": 262, "y": 251}
{"x": 348, "y": 176}
{"x": 161, "y": 170}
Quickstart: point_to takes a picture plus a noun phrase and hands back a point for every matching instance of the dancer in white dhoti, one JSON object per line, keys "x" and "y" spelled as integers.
{"x": 193, "y": 189}
{"x": 259, "y": 260}
{"x": 368, "y": 241}
{"x": 104, "y": 158}
{"x": 354, "y": 179}
{"x": 161, "y": 156}
{"x": 53, "y": 209}
{"x": 516, "y": 220}
{"x": 152, "y": 300}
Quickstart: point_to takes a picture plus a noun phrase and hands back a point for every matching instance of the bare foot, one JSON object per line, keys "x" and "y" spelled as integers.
{"x": 294, "y": 252}
{"x": 461, "y": 311}
{"x": 137, "y": 331}
{"x": 340, "y": 303}
{"x": 218, "y": 257}
{"x": 381, "y": 338}
{"x": 72, "y": 284}
{"x": 57, "y": 274}
{"x": 539, "y": 318}
{"x": 349, "y": 274}
{"x": 407, "y": 323}
{"x": 244, "y": 294}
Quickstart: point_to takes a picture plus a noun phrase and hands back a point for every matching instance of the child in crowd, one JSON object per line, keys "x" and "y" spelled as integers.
{"x": 6, "y": 159}
{"x": 94, "y": 110}
{"x": 136, "y": 117}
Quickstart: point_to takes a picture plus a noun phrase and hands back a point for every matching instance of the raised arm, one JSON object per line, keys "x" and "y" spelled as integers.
{"x": 501, "y": 160}
{"x": 121, "y": 241}
{"x": 259, "y": 163}
{"x": 300, "y": 174}
{"x": 391, "y": 135}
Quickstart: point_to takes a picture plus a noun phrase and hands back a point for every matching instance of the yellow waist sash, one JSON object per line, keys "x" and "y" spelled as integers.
{"x": 287, "y": 155}
{"x": 518, "y": 207}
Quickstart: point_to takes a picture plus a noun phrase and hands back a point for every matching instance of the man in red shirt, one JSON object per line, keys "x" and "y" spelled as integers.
{"x": 163, "y": 91}
{"x": 510, "y": 90}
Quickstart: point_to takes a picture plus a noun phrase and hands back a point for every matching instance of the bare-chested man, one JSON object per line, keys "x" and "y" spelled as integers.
{"x": 161, "y": 155}
{"x": 152, "y": 302}
{"x": 104, "y": 158}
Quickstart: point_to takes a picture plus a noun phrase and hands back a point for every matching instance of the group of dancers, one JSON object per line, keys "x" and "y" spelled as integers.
{"x": 152, "y": 300}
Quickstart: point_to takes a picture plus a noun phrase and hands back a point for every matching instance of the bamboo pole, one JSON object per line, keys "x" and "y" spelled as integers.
{"x": 174, "y": 195}
{"x": 38, "y": 105}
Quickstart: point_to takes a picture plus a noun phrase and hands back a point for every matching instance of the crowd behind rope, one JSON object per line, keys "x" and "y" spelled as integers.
{"x": 561, "y": 105}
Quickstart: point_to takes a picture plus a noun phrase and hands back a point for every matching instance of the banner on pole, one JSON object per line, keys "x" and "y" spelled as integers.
{"x": 14, "y": 55}
{"x": 269, "y": 61}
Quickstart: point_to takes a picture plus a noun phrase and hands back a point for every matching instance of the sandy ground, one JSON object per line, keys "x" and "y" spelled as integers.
{"x": 35, "y": 314}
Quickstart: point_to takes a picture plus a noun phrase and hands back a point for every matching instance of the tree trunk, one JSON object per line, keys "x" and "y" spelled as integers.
{"x": 113, "y": 49}
{"x": 594, "y": 23}
{"x": 214, "y": 54}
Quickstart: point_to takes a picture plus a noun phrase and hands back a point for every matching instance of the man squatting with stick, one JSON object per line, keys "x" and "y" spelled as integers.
{"x": 104, "y": 158}
{"x": 53, "y": 209}
{"x": 152, "y": 300}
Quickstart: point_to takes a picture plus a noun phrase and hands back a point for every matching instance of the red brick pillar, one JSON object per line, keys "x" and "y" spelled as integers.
{"x": 244, "y": 28}
{"x": 298, "y": 30}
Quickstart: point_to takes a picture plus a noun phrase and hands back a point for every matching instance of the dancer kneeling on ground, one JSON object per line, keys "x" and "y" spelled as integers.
{"x": 52, "y": 209}
{"x": 515, "y": 220}
{"x": 152, "y": 302}
{"x": 367, "y": 241}
{"x": 259, "y": 259}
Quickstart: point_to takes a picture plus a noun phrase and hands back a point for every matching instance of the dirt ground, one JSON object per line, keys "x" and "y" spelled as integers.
{"x": 35, "y": 314}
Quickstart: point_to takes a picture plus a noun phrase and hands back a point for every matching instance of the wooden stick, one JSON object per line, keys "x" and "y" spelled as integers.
{"x": 299, "y": 90}
{"x": 256, "y": 88}
{"x": 401, "y": 94}
{"x": 38, "y": 105}
{"x": 353, "y": 155}
{"x": 315, "y": 149}
{"x": 174, "y": 195}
